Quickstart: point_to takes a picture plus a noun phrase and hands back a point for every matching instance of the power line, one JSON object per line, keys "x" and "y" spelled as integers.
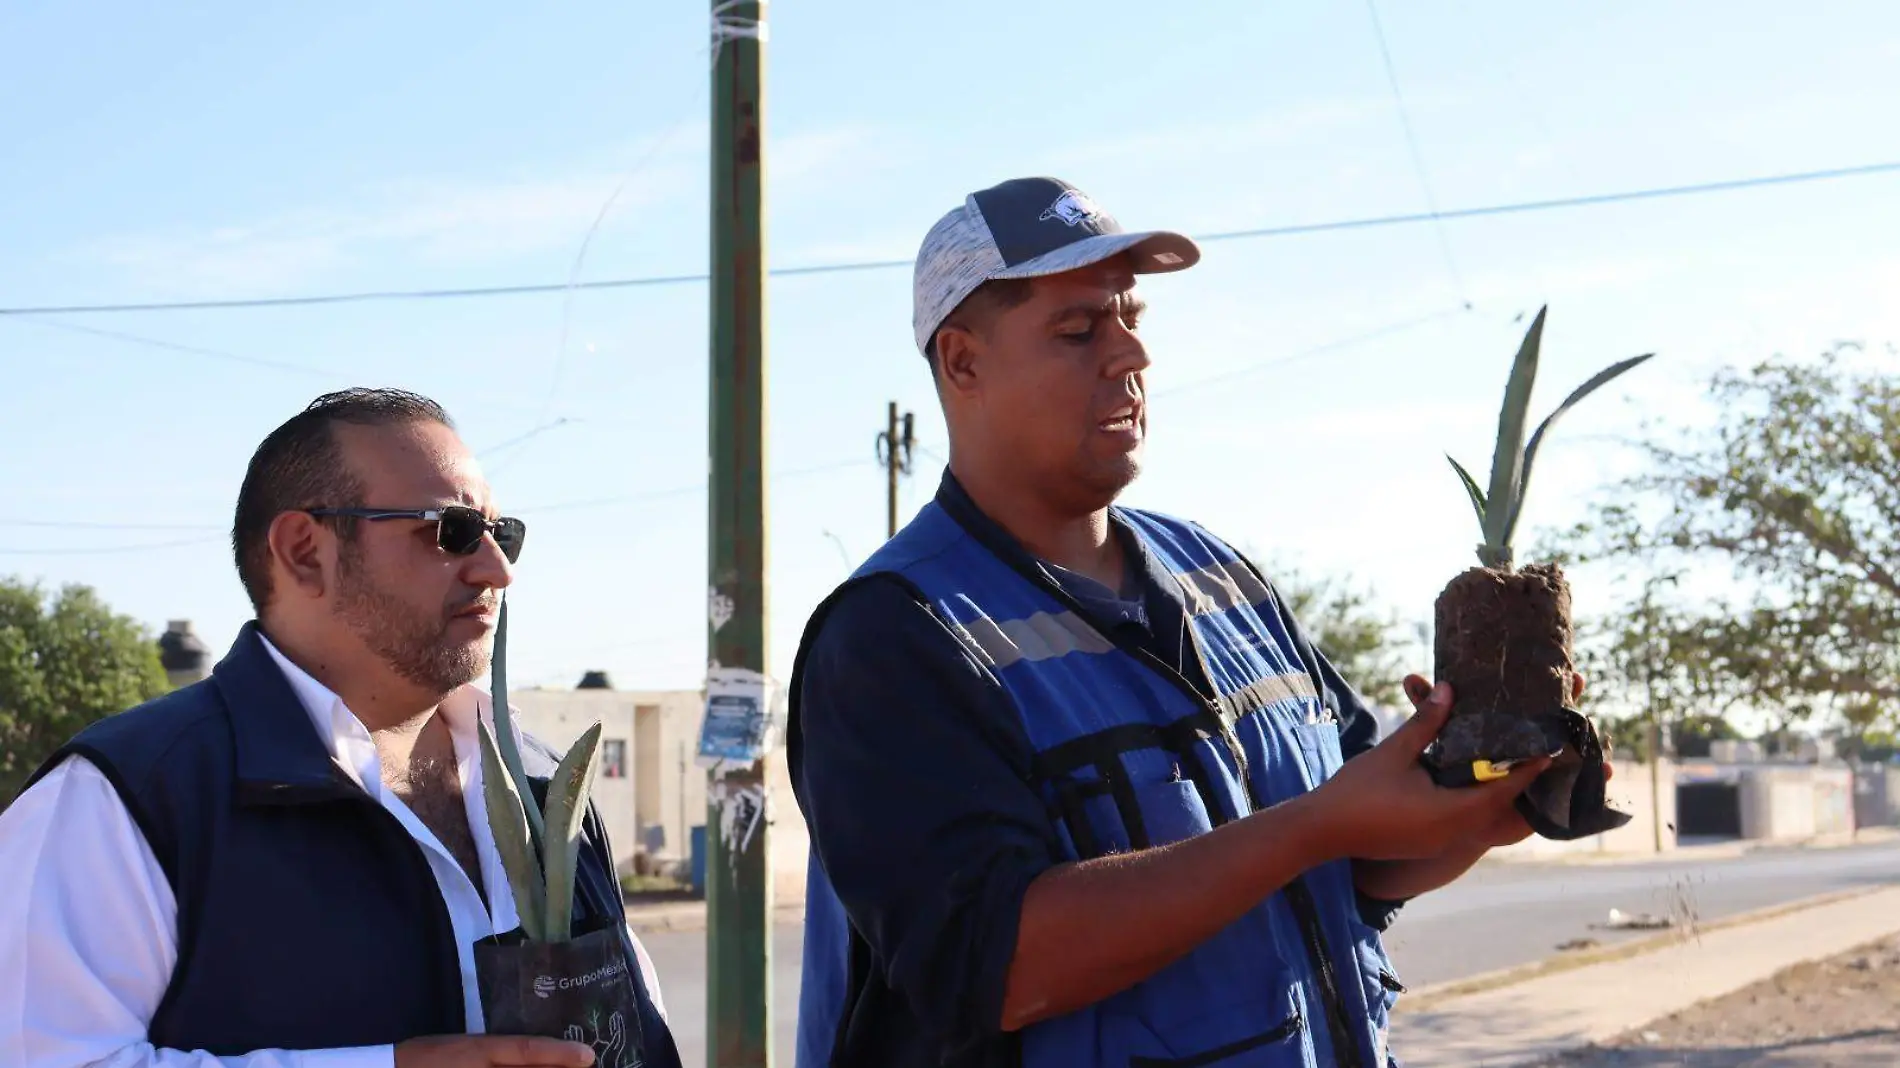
{"x": 525, "y": 437}
{"x": 1368, "y": 222}
{"x": 111, "y": 549}
{"x": 1418, "y": 157}
{"x": 1591, "y": 200}
{"x": 562, "y": 506}
{"x": 678, "y": 491}
{"x": 61, "y": 524}
{"x": 171, "y": 346}
{"x": 1244, "y": 370}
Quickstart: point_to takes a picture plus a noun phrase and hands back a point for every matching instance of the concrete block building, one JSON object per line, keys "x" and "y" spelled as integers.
{"x": 650, "y": 791}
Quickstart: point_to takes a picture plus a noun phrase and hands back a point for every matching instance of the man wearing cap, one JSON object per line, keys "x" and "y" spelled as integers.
{"x": 1077, "y": 783}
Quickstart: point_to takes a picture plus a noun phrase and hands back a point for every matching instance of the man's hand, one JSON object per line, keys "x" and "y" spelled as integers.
{"x": 1509, "y": 827}
{"x": 492, "y": 1051}
{"x": 1383, "y": 805}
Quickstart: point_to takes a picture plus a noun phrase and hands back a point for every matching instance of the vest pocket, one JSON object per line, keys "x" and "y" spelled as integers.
{"x": 1319, "y": 748}
{"x": 1172, "y": 811}
{"x": 1116, "y": 815}
{"x": 1278, "y": 1046}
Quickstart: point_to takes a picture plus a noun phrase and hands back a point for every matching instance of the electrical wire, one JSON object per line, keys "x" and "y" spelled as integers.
{"x": 678, "y": 491}
{"x": 1244, "y": 370}
{"x": 1418, "y": 156}
{"x": 107, "y": 550}
{"x": 1297, "y": 229}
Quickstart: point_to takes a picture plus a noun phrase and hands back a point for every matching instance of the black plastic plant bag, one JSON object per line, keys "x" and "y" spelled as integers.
{"x": 1568, "y": 800}
{"x": 582, "y": 990}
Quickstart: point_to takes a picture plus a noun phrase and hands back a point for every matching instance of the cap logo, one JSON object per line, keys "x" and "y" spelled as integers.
{"x": 1073, "y": 207}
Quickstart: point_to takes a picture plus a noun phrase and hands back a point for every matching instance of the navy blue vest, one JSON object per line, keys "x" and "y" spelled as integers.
{"x": 1130, "y": 755}
{"x": 308, "y": 917}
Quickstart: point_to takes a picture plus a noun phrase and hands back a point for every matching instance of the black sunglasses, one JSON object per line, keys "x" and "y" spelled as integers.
{"x": 458, "y": 528}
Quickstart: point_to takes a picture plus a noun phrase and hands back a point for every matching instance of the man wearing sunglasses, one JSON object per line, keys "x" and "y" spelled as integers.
{"x": 287, "y": 864}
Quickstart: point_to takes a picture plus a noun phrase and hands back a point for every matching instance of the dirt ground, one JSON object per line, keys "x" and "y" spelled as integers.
{"x": 1842, "y": 1011}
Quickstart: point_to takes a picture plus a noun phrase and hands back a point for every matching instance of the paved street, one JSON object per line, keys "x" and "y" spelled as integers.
{"x": 1498, "y": 916}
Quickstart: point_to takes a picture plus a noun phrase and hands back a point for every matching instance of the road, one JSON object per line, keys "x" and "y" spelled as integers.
{"x": 1496, "y": 917}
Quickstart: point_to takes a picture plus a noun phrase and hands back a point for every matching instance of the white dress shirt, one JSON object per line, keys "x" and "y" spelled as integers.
{"x": 88, "y": 928}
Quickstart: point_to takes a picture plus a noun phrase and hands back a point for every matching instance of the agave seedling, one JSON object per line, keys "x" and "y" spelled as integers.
{"x": 1503, "y": 635}
{"x": 539, "y": 846}
{"x": 1499, "y": 509}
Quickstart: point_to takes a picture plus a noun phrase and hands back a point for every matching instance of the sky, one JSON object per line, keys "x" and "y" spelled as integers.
{"x": 1305, "y": 388}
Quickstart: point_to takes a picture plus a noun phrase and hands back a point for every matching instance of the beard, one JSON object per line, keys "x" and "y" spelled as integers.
{"x": 413, "y": 641}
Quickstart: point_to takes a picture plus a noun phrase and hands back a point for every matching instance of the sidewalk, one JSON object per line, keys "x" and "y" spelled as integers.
{"x": 1528, "y": 1022}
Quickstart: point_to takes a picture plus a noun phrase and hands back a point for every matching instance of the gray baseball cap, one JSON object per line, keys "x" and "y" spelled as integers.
{"x": 1026, "y": 228}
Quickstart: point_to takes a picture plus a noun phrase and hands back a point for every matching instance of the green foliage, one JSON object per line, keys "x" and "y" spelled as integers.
{"x": 1626, "y": 737}
{"x": 539, "y": 847}
{"x": 1502, "y": 505}
{"x": 65, "y": 661}
{"x": 1364, "y": 641}
{"x": 1793, "y": 495}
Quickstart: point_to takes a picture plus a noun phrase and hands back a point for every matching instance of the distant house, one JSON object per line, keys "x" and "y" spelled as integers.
{"x": 650, "y": 792}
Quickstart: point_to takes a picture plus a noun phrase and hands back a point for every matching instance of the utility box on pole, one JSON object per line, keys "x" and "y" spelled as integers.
{"x": 741, "y": 701}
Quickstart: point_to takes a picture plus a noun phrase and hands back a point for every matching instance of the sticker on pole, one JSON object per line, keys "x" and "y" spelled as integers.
{"x": 742, "y": 718}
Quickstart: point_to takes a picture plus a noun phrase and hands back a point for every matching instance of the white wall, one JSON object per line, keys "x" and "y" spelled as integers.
{"x": 663, "y": 785}
{"x": 558, "y": 717}
{"x": 1796, "y": 801}
{"x": 1629, "y": 791}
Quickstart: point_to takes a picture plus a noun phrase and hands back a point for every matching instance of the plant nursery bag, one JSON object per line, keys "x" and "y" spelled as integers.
{"x": 581, "y": 990}
{"x": 1568, "y": 800}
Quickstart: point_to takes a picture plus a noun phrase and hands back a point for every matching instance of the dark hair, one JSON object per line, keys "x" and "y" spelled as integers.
{"x": 300, "y": 466}
{"x": 978, "y": 310}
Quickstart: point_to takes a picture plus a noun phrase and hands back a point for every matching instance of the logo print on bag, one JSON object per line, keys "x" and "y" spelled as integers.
{"x": 1073, "y": 207}
{"x": 547, "y": 984}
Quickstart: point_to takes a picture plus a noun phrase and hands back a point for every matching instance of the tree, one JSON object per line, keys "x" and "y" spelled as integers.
{"x": 65, "y": 662}
{"x": 1361, "y": 639}
{"x": 1795, "y": 492}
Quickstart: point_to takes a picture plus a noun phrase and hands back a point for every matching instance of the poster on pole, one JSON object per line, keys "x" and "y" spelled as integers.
{"x": 744, "y": 713}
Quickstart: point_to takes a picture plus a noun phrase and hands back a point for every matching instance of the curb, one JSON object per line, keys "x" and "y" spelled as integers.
{"x": 1436, "y": 995}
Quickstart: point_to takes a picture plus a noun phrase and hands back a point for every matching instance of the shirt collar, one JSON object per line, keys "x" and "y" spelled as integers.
{"x": 1146, "y": 573}
{"x": 346, "y": 739}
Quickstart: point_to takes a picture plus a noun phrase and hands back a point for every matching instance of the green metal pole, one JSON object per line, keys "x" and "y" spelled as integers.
{"x": 738, "y": 884}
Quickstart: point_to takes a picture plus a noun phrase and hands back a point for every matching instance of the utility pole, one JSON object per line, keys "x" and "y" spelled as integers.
{"x": 1651, "y": 622}
{"x": 894, "y": 453}
{"x": 738, "y": 883}
{"x": 1655, "y": 762}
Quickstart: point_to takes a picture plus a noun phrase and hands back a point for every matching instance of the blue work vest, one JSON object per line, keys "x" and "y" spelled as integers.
{"x": 308, "y": 917}
{"x": 1130, "y": 755}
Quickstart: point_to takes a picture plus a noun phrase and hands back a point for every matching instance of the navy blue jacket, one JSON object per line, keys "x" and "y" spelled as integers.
{"x": 291, "y": 880}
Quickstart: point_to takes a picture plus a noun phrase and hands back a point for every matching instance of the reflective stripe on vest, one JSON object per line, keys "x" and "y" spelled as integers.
{"x": 1130, "y": 756}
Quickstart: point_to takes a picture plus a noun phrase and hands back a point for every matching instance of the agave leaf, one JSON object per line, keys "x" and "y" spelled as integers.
{"x": 1506, "y": 460}
{"x": 505, "y": 726}
{"x": 1530, "y": 451}
{"x": 1471, "y": 487}
{"x": 508, "y": 821}
{"x": 567, "y": 806}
